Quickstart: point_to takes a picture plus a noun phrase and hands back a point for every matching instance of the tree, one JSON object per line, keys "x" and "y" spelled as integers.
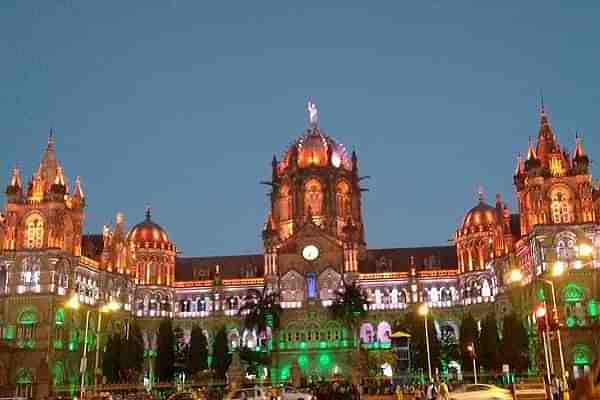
{"x": 261, "y": 310}
{"x": 165, "y": 358}
{"x": 131, "y": 358}
{"x": 181, "y": 351}
{"x": 221, "y": 356}
{"x": 350, "y": 307}
{"x": 254, "y": 359}
{"x": 414, "y": 324}
{"x": 449, "y": 347}
{"x": 198, "y": 352}
{"x": 489, "y": 343}
{"x": 110, "y": 359}
{"x": 515, "y": 343}
{"x": 469, "y": 335}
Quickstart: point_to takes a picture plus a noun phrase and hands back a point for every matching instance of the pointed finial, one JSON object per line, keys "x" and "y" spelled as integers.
{"x": 530, "y": 151}
{"x": 542, "y": 109}
{"x": 51, "y": 138}
{"x": 520, "y": 168}
{"x": 16, "y": 177}
{"x": 148, "y": 213}
{"x": 313, "y": 113}
{"x": 480, "y": 192}
{"x": 578, "y": 146}
{"x": 78, "y": 189}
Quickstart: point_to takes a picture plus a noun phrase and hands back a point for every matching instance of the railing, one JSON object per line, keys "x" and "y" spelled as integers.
{"x": 383, "y": 275}
{"x": 224, "y": 282}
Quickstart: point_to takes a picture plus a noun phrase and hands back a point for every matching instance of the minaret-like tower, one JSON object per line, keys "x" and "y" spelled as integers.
{"x": 483, "y": 235}
{"x": 151, "y": 253}
{"x": 552, "y": 186}
{"x": 315, "y": 183}
{"x": 47, "y": 216}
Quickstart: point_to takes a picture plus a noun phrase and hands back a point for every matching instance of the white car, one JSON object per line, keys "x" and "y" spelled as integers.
{"x": 291, "y": 393}
{"x": 481, "y": 392}
{"x": 255, "y": 393}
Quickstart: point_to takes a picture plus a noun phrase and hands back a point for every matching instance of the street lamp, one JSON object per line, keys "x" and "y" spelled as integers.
{"x": 471, "y": 349}
{"x": 109, "y": 307}
{"x": 73, "y": 303}
{"x": 557, "y": 270}
{"x": 423, "y": 311}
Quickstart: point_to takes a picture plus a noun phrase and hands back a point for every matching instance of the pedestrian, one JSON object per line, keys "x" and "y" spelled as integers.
{"x": 431, "y": 391}
{"x": 555, "y": 387}
{"x": 444, "y": 391}
{"x": 399, "y": 393}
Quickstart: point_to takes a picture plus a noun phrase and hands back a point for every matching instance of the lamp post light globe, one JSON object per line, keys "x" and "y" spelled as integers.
{"x": 558, "y": 268}
{"x": 73, "y": 302}
{"x": 423, "y": 310}
{"x": 516, "y": 275}
{"x": 585, "y": 250}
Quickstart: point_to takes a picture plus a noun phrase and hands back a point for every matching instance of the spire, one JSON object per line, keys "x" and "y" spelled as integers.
{"x": 78, "y": 192}
{"x": 530, "y": 151}
{"x": 148, "y": 213}
{"x": 60, "y": 177}
{"x": 15, "y": 180}
{"x": 49, "y": 165}
{"x": 520, "y": 167}
{"x": 578, "y": 146}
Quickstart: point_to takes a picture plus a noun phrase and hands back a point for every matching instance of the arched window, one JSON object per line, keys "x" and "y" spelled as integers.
{"x": 565, "y": 245}
{"x": 313, "y": 198}
{"x": 24, "y": 384}
{"x": 26, "y": 320}
{"x": 342, "y": 197}
{"x": 30, "y": 274}
{"x": 561, "y": 205}
{"x": 62, "y": 276}
{"x": 486, "y": 291}
{"x": 58, "y": 373}
{"x": 285, "y": 203}
{"x": 34, "y": 226}
{"x": 3, "y": 278}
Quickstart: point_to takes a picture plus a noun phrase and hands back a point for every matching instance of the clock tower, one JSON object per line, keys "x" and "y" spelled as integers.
{"x": 314, "y": 229}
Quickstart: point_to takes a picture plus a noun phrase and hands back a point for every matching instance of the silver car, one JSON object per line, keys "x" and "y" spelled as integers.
{"x": 481, "y": 392}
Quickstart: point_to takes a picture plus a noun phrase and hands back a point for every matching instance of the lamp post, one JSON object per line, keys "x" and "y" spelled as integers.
{"x": 110, "y": 306}
{"x": 471, "y": 349}
{"x": 423, "y": 311}
{"x": 558, "y": 336}
{"x": 73, "y": 303}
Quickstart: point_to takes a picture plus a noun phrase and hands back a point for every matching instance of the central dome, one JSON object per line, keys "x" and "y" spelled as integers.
{"x": 314, "y": 149}
{"x": 481, "y": 215}
{"x": 149, "y": 233}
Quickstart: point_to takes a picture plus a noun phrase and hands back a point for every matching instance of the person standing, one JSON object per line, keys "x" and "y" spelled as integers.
{"x": 444, "y": 391}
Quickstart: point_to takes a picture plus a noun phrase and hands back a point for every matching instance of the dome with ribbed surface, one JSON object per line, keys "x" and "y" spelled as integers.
{"x": 149, "y": 232}
{"x": 313, "y": 149}
{"x": 481, "y": 215}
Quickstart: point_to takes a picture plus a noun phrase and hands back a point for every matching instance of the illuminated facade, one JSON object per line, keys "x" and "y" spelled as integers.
{"x": 314, "y": 238}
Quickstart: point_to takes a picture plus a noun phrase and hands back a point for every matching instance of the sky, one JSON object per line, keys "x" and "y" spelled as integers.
{"x": 182, "y": 104}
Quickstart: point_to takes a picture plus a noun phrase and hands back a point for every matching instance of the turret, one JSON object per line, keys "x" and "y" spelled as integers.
{"x": 581, "y": 161}
{"x": 14, "y": 190}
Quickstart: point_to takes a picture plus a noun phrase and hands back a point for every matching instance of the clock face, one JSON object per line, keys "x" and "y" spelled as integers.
{"x": 310, "y": 252}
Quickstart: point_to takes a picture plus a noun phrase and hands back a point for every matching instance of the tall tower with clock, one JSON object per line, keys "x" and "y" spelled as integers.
{"x": 314, "y": 234}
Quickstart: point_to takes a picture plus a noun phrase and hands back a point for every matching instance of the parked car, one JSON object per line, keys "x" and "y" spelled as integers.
{"x": 255, "y": 393}
{"x": 188, "y": 395}
{"x": 291, "y": 393}
{"x": 481, "y": 392}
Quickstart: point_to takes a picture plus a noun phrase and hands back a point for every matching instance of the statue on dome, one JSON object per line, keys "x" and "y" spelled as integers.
{"x": 313, "y": 113}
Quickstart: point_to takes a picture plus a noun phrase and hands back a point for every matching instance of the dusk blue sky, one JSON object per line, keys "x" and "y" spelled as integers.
{"x": 182, "y": 104}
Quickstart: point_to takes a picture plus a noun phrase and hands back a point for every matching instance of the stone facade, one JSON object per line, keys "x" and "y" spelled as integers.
{"x": 314, "y": 239}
